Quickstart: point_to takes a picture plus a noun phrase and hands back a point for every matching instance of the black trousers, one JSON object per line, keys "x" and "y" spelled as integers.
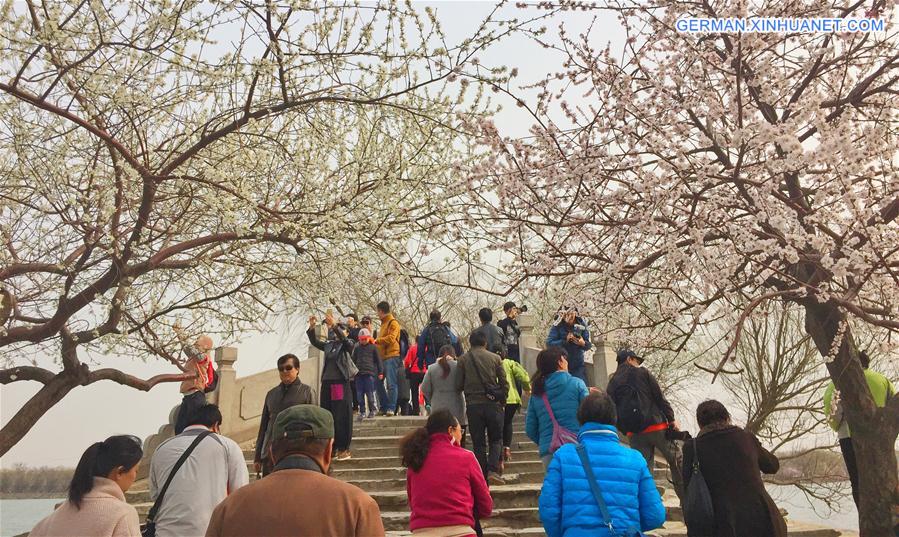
{"x": 851, "y": 465}
{"x": 510, "y": 412}
{"x": 414, "y": 382}
{"x": 189, "y": 404}
{"x": 340, "y": 405}
{"x": 485, "y": 424}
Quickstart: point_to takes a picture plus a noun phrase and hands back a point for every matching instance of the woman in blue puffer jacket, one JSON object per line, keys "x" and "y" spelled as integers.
{"x": 564, "y": 393}
{"x": 627, "y": 487}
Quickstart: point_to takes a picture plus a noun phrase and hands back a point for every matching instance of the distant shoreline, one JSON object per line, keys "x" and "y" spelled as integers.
{"x": 32, "y": 496}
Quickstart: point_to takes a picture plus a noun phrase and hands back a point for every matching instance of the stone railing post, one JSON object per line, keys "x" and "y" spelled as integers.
{"x": 311, "y": 367}
{"x": 226, "y": 395}
{"x": 604, "y": 363}
{"x": 528, "y": 345}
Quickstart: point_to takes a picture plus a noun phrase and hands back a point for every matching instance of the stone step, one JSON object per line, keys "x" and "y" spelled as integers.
{"x": 361, "y": 459}
{"x": 488, "y": 532}
{"x": 392, "y": 471}
{"x": 514, "y": 495}
{"x": 141, "y": 495}
{"x": 364, "y": 427}
{"x": 385, "y": 439}
{"x": 527, "y": 450}
{"x": 514, "y": 518}
{"x": 794, "y": 529}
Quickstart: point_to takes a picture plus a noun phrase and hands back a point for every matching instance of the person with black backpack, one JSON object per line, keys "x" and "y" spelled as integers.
{"x": 644, "y": 414}
{"x": 434, "y": 337}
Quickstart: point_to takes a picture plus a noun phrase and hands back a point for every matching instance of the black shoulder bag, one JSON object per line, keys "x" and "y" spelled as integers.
{"x": 149, "y": 529}
{"x": 492, "y": 391}
{"x": 699, "y": 512}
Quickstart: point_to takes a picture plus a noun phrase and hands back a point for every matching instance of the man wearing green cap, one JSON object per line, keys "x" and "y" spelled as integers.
{"x": 298, "y": 497}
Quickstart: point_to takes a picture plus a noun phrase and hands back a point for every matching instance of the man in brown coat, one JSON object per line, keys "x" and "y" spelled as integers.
{"x": 298, "y": 497}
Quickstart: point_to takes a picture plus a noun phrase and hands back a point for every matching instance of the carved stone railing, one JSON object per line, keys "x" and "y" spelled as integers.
{"x": 239, "y": 399}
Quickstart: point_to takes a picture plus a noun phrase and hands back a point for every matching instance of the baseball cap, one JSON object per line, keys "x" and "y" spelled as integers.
{"x": 624, "y": 354}
{"x": 303, "y": 421}
{"x": 365, "y": 332}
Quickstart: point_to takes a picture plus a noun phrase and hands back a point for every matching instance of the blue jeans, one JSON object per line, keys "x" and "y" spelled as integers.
{"x": 365, "y": 388}
{"x": 388, "y": 397}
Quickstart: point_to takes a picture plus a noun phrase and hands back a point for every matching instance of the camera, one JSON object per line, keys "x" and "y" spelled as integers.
{"x": 683, "y": 436}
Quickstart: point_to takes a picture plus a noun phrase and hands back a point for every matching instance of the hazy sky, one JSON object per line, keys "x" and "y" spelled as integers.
{"x": 89, "y": 414}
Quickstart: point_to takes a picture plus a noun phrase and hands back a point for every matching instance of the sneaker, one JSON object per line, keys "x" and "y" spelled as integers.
{"x": 360, "y": 417}
{"x": 493, "y": 479}
{"x": 344, "y": 455}
{"x": 371, "y": 414}
{"x": 390, "y": 413}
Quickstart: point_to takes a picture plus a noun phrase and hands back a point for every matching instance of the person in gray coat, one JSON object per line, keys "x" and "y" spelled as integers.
{"x": 291, "y": 391}
{"x": 439, "y": 387}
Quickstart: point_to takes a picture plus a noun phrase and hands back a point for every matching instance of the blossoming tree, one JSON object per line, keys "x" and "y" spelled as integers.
{"x": 195, "y": 163}
{"x": 691, "y": 168}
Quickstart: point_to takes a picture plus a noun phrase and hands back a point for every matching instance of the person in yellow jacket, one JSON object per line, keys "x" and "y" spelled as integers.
{"x": 881, "y": 390}
{"x": 388, "y": 342}
{"x": 518, "y": 378}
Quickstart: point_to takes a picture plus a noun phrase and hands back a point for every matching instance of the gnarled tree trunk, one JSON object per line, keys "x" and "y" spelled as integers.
{"x": 874, "y": 429}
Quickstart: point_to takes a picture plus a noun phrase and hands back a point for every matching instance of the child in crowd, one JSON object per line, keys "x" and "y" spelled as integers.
{"x": 368, "y": 360}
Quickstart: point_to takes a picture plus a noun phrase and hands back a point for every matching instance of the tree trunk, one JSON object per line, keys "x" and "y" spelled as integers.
{"x": 873, "y": 437}
{"x": 50, "y": 394}
{"x": 877, "y": 481}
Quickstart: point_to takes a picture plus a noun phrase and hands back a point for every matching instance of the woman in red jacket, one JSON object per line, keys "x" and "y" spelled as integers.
{"x": 415, "y": 374}
{"x": 443, "y": 507}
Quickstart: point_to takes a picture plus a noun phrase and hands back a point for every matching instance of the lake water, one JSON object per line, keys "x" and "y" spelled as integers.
{"x": 799, "y": 508}
{"x": 19, "y": 516}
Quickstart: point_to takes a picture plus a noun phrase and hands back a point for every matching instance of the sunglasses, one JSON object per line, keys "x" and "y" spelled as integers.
{"x": 286, "y": 368}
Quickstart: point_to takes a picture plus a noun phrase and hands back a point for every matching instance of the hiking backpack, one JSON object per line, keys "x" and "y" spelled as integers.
{"x": 634, "y": 411}
{"x": 438, "y": 336}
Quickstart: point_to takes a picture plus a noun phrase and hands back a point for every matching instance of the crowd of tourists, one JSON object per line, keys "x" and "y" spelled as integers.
{"x": 598, "y": 446}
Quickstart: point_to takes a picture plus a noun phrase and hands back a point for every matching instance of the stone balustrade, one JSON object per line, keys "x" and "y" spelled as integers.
{"x": 239, "y": 399}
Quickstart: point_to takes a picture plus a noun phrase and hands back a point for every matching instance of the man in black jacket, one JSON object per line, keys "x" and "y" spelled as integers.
{"x": 644, "y": 414}
{"x": 291, "y": 391}
{"x": 511, "y": 331}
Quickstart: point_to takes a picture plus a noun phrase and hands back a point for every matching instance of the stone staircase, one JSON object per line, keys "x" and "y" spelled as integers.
{"x": 375, "y": 468}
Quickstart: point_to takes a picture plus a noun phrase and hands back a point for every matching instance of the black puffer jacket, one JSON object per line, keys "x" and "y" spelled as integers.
{"x": 367, "y": 359}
